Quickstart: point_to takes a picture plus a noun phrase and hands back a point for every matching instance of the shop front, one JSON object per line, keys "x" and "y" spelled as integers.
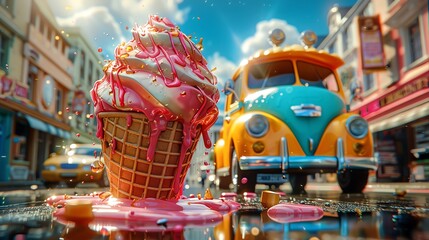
{"x": 27, "y": 136}
{"x": 399, "y": 121}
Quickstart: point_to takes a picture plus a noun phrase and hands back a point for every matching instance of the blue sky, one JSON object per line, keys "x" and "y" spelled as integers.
{"x": 232, "y": 30}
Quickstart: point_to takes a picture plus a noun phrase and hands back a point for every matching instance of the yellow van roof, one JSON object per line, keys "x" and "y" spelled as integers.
{"x": 322, "y": 57}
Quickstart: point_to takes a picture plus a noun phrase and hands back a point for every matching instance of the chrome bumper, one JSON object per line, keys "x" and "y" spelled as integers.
{"x": 285, "y": 162}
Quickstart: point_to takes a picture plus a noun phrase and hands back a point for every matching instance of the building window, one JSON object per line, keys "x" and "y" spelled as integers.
{"x": 57, "y": 40}
{"x": 72, "y": 54}
{"x": 368, "y": 82}
{"x": 415, "y": 44}
{"x": 389, "y": 2}
{"x": 99, "y": 76}
{"x": 345, "y": 39}
{"x": 7, "y": 4}
{"x": 332, "y": 48}
{"x": 31, "y": 81}
{"x": 59, "y": 101}
{"x": 82, "y": 66}
{"x": 90, "y": 67}
{"x": 4, "y": 51}
{"x": 390, "y": 51}
{"x": 41, "y": 25}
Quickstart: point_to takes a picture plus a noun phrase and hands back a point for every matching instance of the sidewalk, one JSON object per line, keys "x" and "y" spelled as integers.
{"x": 20, "y": 185}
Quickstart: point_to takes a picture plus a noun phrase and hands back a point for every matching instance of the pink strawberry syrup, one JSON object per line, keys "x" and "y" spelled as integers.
{"x": 146, "y": 214}
{"x": 292, "y": 212}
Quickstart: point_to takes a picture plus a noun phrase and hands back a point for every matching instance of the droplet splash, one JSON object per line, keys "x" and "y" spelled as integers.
{"x": 97, "y": 166}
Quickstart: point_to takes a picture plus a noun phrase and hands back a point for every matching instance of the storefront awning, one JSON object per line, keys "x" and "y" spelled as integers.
{"x": 401, "y": 118}
{"x": 37, "y": 124}
{"x": 45, "y": 127}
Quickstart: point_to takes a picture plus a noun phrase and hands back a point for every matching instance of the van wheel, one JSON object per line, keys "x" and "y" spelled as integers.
{"x": 71, "y": 184}
{"x": 224, "y": 182}
{"x": 298, "y": 182}
{"x": 50, "y": 184}
{"x": 238, "y": 174}
{"x": 352, "y": 181}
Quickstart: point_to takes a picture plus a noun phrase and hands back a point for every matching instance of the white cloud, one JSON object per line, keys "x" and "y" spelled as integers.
{"x": 223, "y": 72}
{"x": 98, "y": 19}
{"x": 98, "y": 24}
{"x": 260, "y": 39}
{"x": 224, "y": 67}
{"x": 137, "y": 11}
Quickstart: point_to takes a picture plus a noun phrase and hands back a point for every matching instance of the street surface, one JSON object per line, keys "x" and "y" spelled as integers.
{"x": 383, "y": 211}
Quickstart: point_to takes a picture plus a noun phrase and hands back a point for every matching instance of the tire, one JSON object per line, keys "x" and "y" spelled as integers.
{"x": 298, "y": 182}
{"x": 104, "y": 181}
{"x": 71, "y": 184}
{"x": 238, "y": 174}
{"x": 224, "y": 182}
{"x": 352, "y": 181}
{"x": 50, "y": 184}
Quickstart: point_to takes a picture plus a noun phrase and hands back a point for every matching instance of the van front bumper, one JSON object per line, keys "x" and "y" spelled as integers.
{"x": 286, "y": 162}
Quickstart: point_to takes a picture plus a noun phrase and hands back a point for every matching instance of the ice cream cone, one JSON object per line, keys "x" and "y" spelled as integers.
{"x": 125, "y": 145}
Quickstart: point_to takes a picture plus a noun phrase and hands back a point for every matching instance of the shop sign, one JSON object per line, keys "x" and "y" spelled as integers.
{"x": 407, "y": 89}
{"x": 403, "y": 91}
{"x": 371, "y": 43}
{"x": 5, "y": 84}
{"x": 20, "y": 90}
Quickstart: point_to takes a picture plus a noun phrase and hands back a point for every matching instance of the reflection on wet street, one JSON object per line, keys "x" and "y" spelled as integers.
{"x": 25, "y": 215}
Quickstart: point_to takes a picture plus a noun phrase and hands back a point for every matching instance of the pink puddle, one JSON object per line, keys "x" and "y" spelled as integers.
{"x": 290, "y": 212}
{"x": 148, "y": 214}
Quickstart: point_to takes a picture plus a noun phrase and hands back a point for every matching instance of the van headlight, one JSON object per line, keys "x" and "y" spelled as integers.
{"x": 357, "y": 126}
{"x": 257, "y": 125}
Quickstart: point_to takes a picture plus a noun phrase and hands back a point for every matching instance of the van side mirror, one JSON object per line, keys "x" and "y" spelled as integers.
{"x": 228, "y": 88}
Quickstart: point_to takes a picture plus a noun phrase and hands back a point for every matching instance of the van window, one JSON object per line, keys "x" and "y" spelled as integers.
{"x": 314, "y": 75}
{"x": 271, "y": 74}
{"x": 232, "y": 98}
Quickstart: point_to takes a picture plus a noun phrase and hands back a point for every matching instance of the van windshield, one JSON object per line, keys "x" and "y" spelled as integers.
{"x": 271, "y": 74}
{"x": 313, "y": 75}
{"x": 84, "y": 151}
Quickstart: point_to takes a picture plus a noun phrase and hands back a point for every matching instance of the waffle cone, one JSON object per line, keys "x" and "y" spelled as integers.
{"x": 125, "y": 146}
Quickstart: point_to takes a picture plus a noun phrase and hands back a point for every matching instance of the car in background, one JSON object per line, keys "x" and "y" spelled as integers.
{"x": 286, "y": 117}
{"x": 74, "y": 166}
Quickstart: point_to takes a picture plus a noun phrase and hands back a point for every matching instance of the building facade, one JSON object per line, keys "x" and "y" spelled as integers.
{"x": 88, "y": 68}
{"x": 36, "y": 79}
{"x": 394, "y": 99}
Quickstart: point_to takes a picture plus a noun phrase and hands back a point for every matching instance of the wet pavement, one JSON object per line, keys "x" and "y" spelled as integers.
{"x": 398, "y": 213}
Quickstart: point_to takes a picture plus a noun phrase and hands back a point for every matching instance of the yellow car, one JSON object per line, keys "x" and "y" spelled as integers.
{"x": 74, "y": 167}
{"x": 286, "y": 117}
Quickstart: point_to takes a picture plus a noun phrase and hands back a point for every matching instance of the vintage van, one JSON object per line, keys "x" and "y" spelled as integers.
{"x": 286, "y": 117}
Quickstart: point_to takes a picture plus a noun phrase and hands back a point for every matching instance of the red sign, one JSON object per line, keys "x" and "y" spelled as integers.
{"x": 20, "y": 90}
{"x": 371, "y": 40}
{"x": 405, "y": 90}
{"x": 5, "y": 85}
